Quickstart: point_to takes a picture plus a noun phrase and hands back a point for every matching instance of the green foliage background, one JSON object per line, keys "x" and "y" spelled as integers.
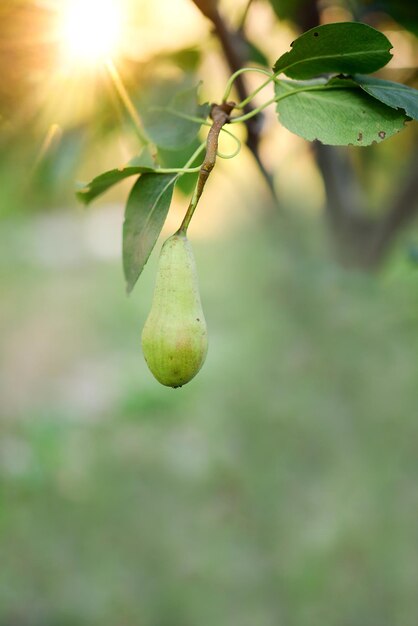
{"x": 278, "y": 487}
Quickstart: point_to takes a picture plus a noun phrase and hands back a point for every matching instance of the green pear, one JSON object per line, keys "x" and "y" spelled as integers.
{"x": 174, "y": 338}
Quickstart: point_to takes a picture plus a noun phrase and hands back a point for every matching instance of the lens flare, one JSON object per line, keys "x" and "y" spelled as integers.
{"x": 91, "y": 30}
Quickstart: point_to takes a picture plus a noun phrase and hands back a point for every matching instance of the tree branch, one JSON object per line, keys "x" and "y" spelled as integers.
{"x": 234, "y": 46}
{"x": 220, "y": 116}
{"x": 361, "y": 240}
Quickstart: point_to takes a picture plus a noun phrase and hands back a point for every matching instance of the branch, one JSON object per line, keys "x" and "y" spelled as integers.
{"x": 363, "y": 241}
{"x": 220, "y": 116}
{"x": 234, "y": 46}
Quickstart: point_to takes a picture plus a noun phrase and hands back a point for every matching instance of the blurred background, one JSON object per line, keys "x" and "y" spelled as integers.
{"x": 280, "y": 486}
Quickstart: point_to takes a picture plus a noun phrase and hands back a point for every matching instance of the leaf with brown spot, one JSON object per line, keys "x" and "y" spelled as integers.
{"x": 339, "y": 114}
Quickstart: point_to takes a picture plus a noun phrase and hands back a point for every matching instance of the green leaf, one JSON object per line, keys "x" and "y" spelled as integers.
{"x": 138, "y": 165}
{"x": 145, "y": 214}
{"x": 339, "y": 113}
{"x": 393, "y": 94}
{"x": 187, "y": 59}
{"x": 143, "y": 159}
{"x": 165, "y": 125}
{"x": 256, "y": 55}
{"x": 291, "y": 9}
{"x": 404, "y": 12}
{"x": 345, "y": 47}
{"x": 171, "y": 159}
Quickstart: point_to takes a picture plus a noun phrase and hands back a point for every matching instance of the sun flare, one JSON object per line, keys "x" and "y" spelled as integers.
{"x": 91, "y": 30}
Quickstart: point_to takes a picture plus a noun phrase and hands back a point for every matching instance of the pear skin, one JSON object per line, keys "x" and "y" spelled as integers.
{"x": 174, "y": 338}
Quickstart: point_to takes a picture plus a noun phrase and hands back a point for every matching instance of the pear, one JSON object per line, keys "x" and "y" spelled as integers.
{"x": 174, "y": 338}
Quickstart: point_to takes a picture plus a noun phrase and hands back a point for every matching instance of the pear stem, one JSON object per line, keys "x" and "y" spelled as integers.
{"x": 220, "y": 115}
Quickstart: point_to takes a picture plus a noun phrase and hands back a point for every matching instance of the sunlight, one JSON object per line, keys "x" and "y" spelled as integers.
{"x": 91, "y": 29}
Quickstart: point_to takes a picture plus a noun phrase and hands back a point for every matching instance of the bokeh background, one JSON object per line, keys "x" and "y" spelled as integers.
{"x": 280, "y": 486}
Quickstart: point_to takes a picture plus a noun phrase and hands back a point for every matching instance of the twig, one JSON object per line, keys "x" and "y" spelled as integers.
{"x": 220, "y": 116}
{"x": 234, "y": 45}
